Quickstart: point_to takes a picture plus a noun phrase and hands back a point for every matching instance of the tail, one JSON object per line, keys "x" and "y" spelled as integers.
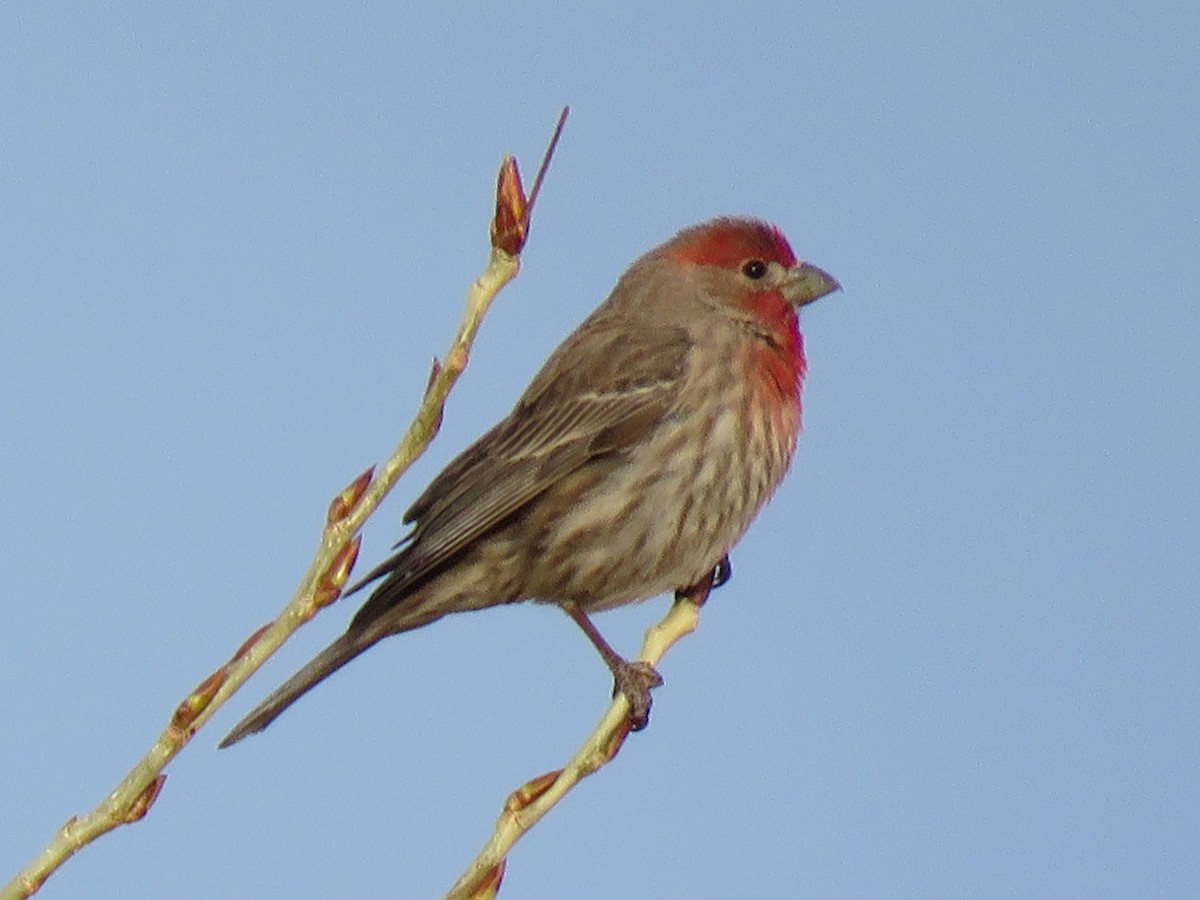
{"x": 320, "y": 667}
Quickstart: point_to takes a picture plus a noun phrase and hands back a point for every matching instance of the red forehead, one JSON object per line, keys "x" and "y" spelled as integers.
{"x": 729, "y": 242}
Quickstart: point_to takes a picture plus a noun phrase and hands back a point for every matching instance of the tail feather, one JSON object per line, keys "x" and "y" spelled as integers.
{"x": 321, "y": 666}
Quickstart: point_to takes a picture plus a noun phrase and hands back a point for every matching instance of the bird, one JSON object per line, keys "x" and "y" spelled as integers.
{"x": 631, "y": 465}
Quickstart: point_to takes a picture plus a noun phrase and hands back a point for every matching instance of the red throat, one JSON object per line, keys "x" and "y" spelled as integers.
{"x": 778, "y": 360}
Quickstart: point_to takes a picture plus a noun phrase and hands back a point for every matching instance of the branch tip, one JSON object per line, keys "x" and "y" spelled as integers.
{"x": 510, "y": 225}
{"x": 546, "y": 157}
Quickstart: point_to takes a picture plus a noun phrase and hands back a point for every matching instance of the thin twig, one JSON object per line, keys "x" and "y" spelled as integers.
{"x": 530, "y": 802}
{"x": 326, "y": 576}
{"x": 546, "y": 157}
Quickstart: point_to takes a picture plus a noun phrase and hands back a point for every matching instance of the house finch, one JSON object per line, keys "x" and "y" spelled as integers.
{"x": 630, "y": 466}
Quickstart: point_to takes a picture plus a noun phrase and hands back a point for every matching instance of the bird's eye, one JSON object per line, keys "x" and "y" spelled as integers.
{"x": 754, "y": 269}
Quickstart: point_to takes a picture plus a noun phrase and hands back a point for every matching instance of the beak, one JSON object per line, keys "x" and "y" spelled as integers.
{"x": 806, "y": 283}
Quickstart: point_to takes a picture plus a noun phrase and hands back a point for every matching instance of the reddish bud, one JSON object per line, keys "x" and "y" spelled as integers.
{"x": 434, "y": 371}
{"x": 341, "y": 505}
{"x": 530, "y": 791}
{"x": 510, "y": 225}
{"x": 198, "y": 700}
{"x": 138, "y": 809}
{"x": 330, "y": 585}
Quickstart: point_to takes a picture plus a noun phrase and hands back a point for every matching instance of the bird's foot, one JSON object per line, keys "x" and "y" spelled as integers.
{"x": 722, "y": 573}
{"x": 698, "y": 593}
{"x": 636, "y": 680}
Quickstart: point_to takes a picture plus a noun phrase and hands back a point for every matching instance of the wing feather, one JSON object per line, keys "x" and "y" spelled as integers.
{"x": 566, "y": 418}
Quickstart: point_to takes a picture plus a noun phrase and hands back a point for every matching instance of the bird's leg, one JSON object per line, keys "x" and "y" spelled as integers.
{"x": 633, "y": 678}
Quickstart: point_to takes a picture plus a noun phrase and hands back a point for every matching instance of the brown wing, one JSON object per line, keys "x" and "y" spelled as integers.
{"x": 567, "y": 417}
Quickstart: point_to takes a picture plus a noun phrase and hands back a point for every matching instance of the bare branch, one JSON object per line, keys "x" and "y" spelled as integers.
{"x": 525, "y": 806}
{"x": 326, "y": 576}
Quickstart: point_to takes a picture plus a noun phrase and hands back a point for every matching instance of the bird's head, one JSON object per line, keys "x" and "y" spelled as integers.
{"x": 749, "y": 264}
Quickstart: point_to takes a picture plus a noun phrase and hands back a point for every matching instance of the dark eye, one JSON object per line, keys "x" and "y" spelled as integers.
{"x": 754, "y": 269}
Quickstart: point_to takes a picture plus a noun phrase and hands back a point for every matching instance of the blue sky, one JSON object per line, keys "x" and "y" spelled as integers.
{"x": 957, "y": 657}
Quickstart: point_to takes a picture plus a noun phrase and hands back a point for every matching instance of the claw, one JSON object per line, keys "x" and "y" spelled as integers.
{"x": 723, "y": 572}
{"x": 636, "y": 680}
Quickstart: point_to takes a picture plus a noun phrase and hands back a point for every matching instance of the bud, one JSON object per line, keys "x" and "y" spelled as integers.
{"x": 138, "y": 809}
{"x": 198, "y": 700}
{"x": 330, "y": 584}
{"x": 510, "y": 225}
{"x": 345, "y": 501}
{"x": 530, "y": 791}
